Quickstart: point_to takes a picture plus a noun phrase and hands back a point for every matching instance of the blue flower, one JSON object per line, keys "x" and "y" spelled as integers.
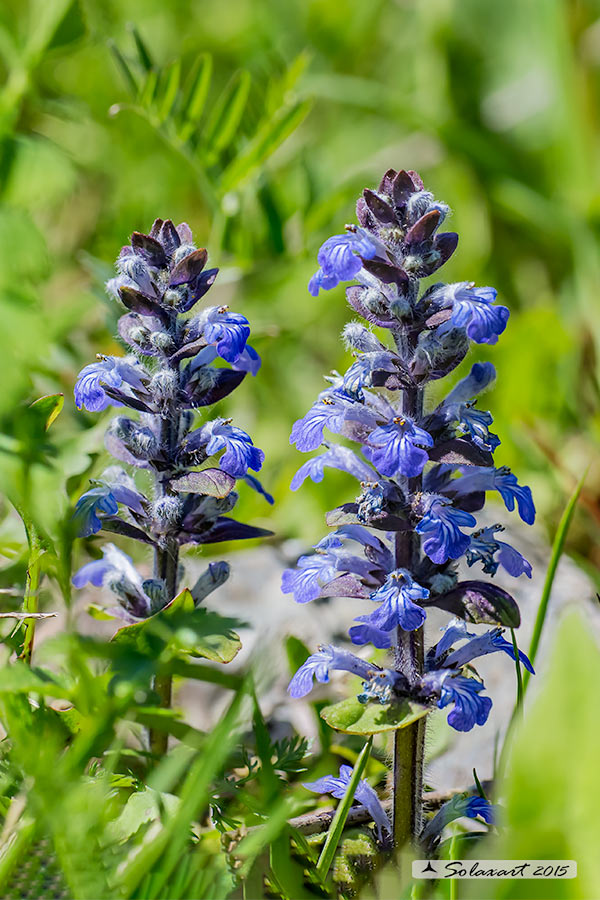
{"x": 117, "y": 572}
{"x": 110, "y": 370}
{"x": 397, "y": 608}
{"x": 486, "y": 478}
{"x": 336, "y": 457}
{"x": 475, "y": 423}
{"x": 97, "y": 499}
{"x": 479, "y": 378}
{"x": 360, "y": 373}
{"x": 229, "y": 332}
{"x": 240, "y": 453}
{"x": 368, "y": 634}
{"x": 459, "y": 806}
{"x": 441, "y": 527}
{"x": 314, "y": 572}
{"x": 247, "y": 361}
{"x": 339, "y": 260}
{"x": 481, "y": 645}
{"x": 311, "y": 574}
{"x": 473, "y": 310}
{"x": 364, "y": 793}
{"x": 319, "y": 664}
{"x": 393, "y": 448}
{"x": 255, "y": 484}
{"x": 469, "y": 708}
{"x": 332, "y": 409}
{"x": 485, "y": 548}
{"x": 115, "y": 487}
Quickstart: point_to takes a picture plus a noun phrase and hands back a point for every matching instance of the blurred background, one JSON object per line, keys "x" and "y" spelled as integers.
{"x": 259, "y": 122}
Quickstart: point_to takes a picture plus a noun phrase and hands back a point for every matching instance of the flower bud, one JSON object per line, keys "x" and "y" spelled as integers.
{"x": 167, "y": 510}
{"x": 357, "y": 337}
{"x": 163, "y": 385}
{"x": 182, "y": 251}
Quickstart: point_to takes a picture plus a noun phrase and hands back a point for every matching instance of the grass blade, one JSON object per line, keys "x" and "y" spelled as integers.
{"x": 341, "y": 814}
{"x": 557, "y": 549}
{"x": 518, "y": 668}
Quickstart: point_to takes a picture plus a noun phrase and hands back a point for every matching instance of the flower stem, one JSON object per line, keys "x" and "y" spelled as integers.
{"x": 166, "y": 563}
{"x": 409, "y": 742}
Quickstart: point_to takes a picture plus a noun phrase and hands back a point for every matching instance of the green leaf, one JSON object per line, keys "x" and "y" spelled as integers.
{"x": 172, "y": 75}
{"x": 49, "y": 407}
{"x": 184, "y": 629}
{"x": 353, "y": 717}
{"x": 227, "y": 112}
{"x": 270, "y": 136}
{"x": 197, "y": 91}
{"x": 19, "y": 678}
{"x": 142, "y": 51}
{"x": 341, "y": 814}
{"x": 142, "y": 807}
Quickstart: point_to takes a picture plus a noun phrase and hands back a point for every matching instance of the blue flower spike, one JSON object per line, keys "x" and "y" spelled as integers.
{"x": 424, "y": 471}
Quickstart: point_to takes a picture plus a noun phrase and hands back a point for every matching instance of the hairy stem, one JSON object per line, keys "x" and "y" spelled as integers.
{"x": 408, "y": 748}
{"x": 166, "y": 564}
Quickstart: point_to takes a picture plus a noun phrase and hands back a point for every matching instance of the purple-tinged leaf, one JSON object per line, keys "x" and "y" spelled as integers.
{"x": 423, "y": 228}
{"x": 346, "y": 586}
{"x": 188, "y": 350}
{"x": 118, "y": 526}
{"x": 224, "y": 529}
{"x": 444, "y": 245}
{"x": 126, "y": 399}
{"x": 382, "y": 211}
{"x": 149, "y": 248}
{"x": 169, "y": 237}
{"x": 226, "y": 381}
{"x": 140, "y": 303}
{"x": 460, "y": 452}
{"x": 212, "y": 482}
{"x": 387, "y": 181}
{"x": 438, "y": 318}
{"x": 185, "y": 233}
{"x": 387, "y": 273}
{"x": 198, "y": 288}
{"x": 402, "y": 188}
{"x": 479, "y": 602}
{"x": 189, "y": 268}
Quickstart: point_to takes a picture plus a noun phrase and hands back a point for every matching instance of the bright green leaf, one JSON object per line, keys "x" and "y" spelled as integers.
{"x": 354, "y": 717}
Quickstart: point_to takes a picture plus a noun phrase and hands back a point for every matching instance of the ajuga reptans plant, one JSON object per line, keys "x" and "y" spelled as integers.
{"x": 174, "y": 368}
{"x": 423, "y": 471}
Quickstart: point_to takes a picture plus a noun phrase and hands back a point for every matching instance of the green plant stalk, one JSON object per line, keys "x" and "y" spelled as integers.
{"x": 32, "y": 587}
{"x": 557, "y": 549}
{"x": 409, "y": 742}
{"x": 166, "y": 565}
{"x": 518, "y": 670}
{"x": 341, "y": 814}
